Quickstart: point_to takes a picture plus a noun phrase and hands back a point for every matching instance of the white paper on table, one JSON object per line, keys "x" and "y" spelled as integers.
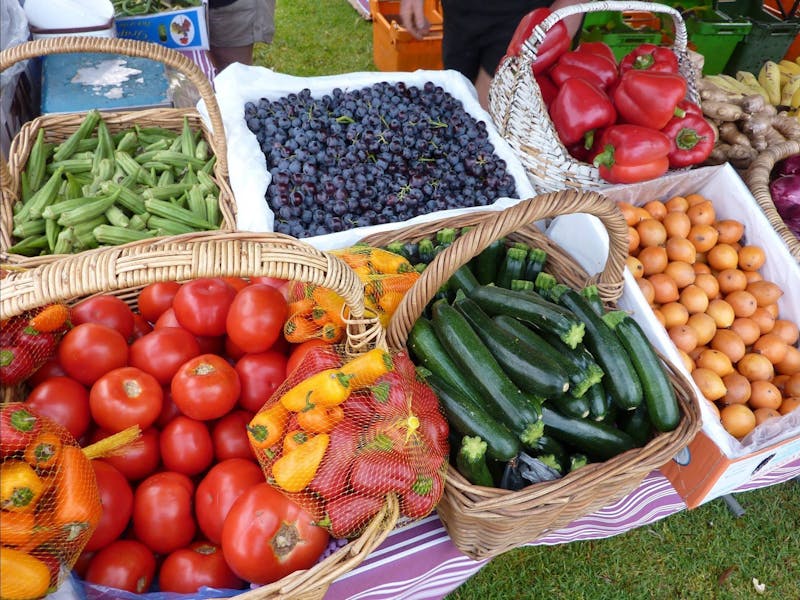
{"x": 732, "y": 199}
{"x": 249, "y": 178}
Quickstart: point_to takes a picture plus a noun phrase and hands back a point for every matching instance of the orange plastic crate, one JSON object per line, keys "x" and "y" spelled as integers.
{"x": 393, "y": 46}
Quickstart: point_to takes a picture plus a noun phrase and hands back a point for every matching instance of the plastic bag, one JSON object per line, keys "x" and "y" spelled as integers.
{"x": 341, "y": 433}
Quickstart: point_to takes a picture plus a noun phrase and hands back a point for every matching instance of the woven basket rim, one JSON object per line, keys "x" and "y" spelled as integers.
{"x": 468, "y": 506}
{"x": 757, "y": 178}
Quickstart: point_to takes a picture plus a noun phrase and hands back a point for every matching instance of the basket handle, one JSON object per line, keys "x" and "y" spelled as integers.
{"x": 171, "y": 58}
{"x": 183, "y": 257}
{"x": 544, "y": 206}
{"x": 531, "y": 45}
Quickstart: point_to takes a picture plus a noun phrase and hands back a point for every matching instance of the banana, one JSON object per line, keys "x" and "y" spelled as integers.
{"x": 749, "y": 80}
{"x": 794, "y": 102}
{"x": 769, "y": 77}
{"x": 728, "y": 83}
{"x": 788, "y": 91}
{"x": 789, "y": 67}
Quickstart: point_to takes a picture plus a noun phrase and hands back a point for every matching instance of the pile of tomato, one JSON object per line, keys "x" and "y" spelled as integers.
{"x": 187, "y": 504}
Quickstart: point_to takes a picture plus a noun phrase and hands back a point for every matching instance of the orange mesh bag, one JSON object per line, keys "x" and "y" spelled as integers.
{"x": 29, "y": 340}
{"x": 316, "y": 312}
{"x": 49, "y": 500}
{"x": 342, "y": 433}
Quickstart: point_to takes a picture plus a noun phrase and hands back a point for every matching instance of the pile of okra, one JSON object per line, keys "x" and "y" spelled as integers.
{"x": 100, "y": 189}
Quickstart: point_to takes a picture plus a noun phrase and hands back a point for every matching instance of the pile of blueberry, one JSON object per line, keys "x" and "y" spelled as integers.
{"x": 381, "y": 154}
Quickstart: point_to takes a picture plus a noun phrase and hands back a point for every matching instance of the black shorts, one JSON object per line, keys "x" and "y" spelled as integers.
{"x": 476, "y": 34}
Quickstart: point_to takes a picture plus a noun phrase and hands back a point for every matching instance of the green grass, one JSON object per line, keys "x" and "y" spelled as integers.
{"x": 703, "y": 554}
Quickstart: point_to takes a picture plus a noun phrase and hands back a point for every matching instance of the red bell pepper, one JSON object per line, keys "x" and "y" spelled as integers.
{"x": 596, "y": 68}
{"x": 556, "y": 40}
{"x": 600, "y": 48}
{"x": 547, "y": 88}
{"x": 578, "y": 110}
{"x": 649, "y": 57}
{"x": 690, "y": 108}
{"x": 649, "y": 99}
{"x": 631, "y": 153}
{"x": 692, "y": 140}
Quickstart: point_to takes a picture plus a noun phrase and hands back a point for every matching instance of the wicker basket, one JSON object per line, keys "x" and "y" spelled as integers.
{"x": 60, "y": 127}
{"x": 520, "y": 114}
{"x": 757, "y": 178}
{"x": 124, "y": 270}
{"x": 484, "y": 522}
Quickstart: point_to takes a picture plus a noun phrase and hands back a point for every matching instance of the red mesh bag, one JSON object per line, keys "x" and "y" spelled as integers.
{"x": 316, "y": 312}
{"x": 49, "y": 502}
{"x": 29, "y": 340}
{"x": 340, "y": 434}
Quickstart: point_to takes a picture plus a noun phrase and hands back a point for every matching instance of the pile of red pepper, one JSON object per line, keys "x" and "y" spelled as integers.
{"x": 630, "y": 119}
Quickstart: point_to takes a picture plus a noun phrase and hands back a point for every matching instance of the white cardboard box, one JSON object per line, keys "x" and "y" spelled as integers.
{"x": 715, "y": 463}
{"x": 181, "y": 29}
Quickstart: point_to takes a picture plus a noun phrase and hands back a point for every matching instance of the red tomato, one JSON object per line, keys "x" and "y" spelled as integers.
{"x": 167, "y": 319}
{"x": 256, "y": 317}
{"x": 186, "y": 446}
{"x": 266, "y": 536}
{"x": 237, "y": 283}
{"x": 260, "y": 375}
{"x": 138, "y": 459}
{"x": 124, "y": 565}
{"x": 124, "y": 397}
{"x": 275, "y": 282}
{"x": 52, "y": 368}
{"x": 89, "y": 351}
{"x": 219, "y": 489}
{"x": 82, "y": 563}
{"x": 63, "y": 400}
{"x": 116, "y": 496}
{"x": 201, "y": 305}
{"x": 201, "y": 564}
{"x": 232, "y": 351}
{"x": 155, "y": 298}
{"x": 169, "y": 410}
{"x": 162, "y": 351}
{"x": 205, "y": 387}
{"x": 211, "y": 344}
{"x": 301, "y": 351}
{"x": 229, "y": 435}
{"x": 162, "y": 512}
{"x": 104, "y": 309}
{"x": 140, "y": 327}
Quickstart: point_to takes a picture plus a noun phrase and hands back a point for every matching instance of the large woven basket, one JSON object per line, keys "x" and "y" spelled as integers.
{"x": 124, "y": 270}
{"x": 484, "y": 522}
{"x": 757, "y": 178}
{"x": 58, "y": 127}
{"x": 520, "y": 114}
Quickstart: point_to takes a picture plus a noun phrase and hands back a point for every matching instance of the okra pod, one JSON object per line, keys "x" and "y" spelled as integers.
{"x": 173, "y": 190}
{"x": 116, "y": 217}
{"x": 37, "y": 162}
{"x": 67, "y": 148}
{"x": 155, "y": 165}
{"x": 55, "y": 210}
{"x": 166, "y": 178}
{"x": 105, "y": 148}
{"x": 33, "y": 208}
{"x": 30, "y": 246}
{"x": 212, "y": 210}
{"x": 208, "y": 184}
{"x": 88, "y": 226}
{"x": 188, "y": 145}
{"x": 176, "y": 144}
{"x": 28, "y": 228}
{"x": 25, "y": 191}
{"x": 84, "y": 240}
{"x": 190, "y": 176}
{"x": 87, "y": 144}
{"x": 201, "y": 150}
{"x": 91, "y": 209}
{"x": 139, "y": 222}
{"x": 74, "y": 188}
{"x": 63, "y": 242}
{"x": 51, "y": 231}
{"x": 169, "y": 210}
{"x": 208, "y": 167}
{"x": 197, "y": 203}
{"x": 166, "y": 226}
{"x": 71, "y": 165}
{"x": 131, "y": 167}
{"x": 178, "y": 159}
{"x": 127, "y": 199}
{"x": 112, "y": 235}
{"x": 128, "y": 143}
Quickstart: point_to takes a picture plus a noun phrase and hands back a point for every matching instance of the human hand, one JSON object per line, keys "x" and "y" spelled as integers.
{"x": 412, "y": 17}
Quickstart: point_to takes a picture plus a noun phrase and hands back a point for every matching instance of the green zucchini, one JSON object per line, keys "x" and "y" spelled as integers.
{"x": 547, "y": 445}
{"x": 532, "y": 308}
{"x": 580, "y": 379}
{"x": 537, "y": 258}
{"x": 512, "y": 267}
{"x": 620, "y": 379}
{"x": 636, "y": 423}
{"x": 488, "y": 261}
{"x": 503, "y": 400}
{"x": 576, "y": 461}
{"x": 659, "y": 394}
{"x": 425, "y": 250}
{"x": 462, "y": 279}
{"x": 471, "y": 461}
{"x": 534, "y": 372}
{"x": 598, "y": 401}
{"x": 592, "y": 295}
{"x": 468, "y": 417}
{"x": 597, "y": 440}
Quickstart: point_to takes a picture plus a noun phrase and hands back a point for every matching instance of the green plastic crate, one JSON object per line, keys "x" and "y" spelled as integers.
{"x": 609, "y": 27}
{"x": 716, "y": 36}
{"x": 769, "y": 37}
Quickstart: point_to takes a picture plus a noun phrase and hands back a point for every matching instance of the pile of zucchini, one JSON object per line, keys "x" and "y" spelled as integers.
{"x": 97, "y": 188}
{"x": 536, "y": 378}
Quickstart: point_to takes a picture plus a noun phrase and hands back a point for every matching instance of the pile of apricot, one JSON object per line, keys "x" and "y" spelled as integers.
{"x": 704, "y": 284}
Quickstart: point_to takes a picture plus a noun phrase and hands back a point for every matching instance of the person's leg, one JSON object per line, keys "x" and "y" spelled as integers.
{"x": 235, "y": 28}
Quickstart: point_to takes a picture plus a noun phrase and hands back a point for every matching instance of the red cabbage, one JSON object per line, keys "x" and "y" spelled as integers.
{"x": 785, "y": 193}
{"x": 788, "y": 166}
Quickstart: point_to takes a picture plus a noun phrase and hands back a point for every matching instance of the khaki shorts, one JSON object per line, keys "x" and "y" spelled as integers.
{"x": 242, "y": 23}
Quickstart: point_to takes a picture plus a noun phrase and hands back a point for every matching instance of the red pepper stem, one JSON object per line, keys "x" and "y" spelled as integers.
{"x": 688, "y": 138}
{"x": 644, "y": 61}
{"x": 606, "y": 157}
{"x": 679, "y": 112}
{"x": 588, "y": 139}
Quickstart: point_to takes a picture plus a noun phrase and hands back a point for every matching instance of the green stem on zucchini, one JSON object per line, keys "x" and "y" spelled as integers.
{"x": 592, "y": 295}
{"x": 521, "y": 285}
{"x": 551, "y": 461}
{"x": 544, "y": 284}
{"x": 471, "y": 461}
{"x": 576, "y": 461}
{"x": 537, "y": 258}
